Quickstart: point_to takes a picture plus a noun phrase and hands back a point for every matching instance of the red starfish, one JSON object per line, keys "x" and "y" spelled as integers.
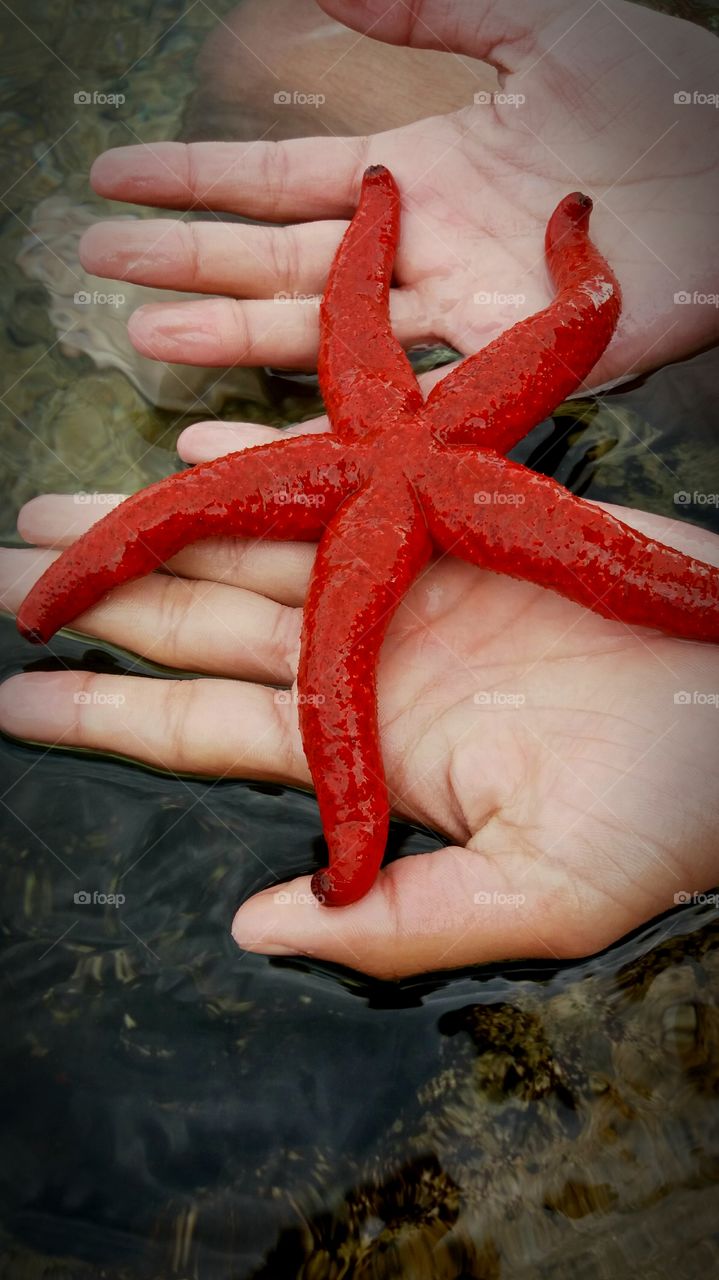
{"x": 397, "y": 477}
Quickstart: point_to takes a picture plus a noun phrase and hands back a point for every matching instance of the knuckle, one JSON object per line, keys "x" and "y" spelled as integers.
{"x": 238, "y": 335}
{"x": 191, "y": 174}
{"x": 274, "y": 164}
{"x": 283, "y": 257}
{"x": 192, "y": 235}
{"x": 285, "y": 640}
{"x": 180, "y": 702}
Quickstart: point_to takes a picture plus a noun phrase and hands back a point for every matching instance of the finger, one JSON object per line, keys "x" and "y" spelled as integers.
{"x": 300, "y": 178}
{"x": 58, "y": 519}
{"x": 214, "y": 727}
{"x": 278, "y": 570}
{"x": 502, "y": 36}
{"x": 202, "y": 626}
{"x": 205, "y": 441}
{"x": 220, "y": 331}
{"x": 213, "y": 257}
{"x": 431, "y": 911}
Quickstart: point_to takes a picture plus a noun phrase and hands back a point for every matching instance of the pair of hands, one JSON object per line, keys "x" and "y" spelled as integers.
{"x": 581, "y": 812}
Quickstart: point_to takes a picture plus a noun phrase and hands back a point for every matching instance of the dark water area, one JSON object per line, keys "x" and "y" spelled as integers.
{"x": 174, "y": 1109}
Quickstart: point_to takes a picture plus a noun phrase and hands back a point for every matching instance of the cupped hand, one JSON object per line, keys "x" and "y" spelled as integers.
{"x": 586, "y": 100}
{"x": 546, "y": 743}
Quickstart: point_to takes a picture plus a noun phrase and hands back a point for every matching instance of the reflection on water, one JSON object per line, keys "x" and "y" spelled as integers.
{"x": 175, "y": 1109}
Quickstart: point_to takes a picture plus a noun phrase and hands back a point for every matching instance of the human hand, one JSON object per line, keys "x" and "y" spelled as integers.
{"x": 478, "y": 186}
{"x": 543, "y": 741}
{"x": 503, "y": 790}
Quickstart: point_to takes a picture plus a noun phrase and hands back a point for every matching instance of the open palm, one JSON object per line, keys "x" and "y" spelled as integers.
{"x": 545, "y": 742}
{"x": 598, "y": 113}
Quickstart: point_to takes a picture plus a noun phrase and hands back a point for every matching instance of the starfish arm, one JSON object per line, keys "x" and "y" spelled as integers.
{"x": 367, "y": 559}
{"x": 493, "y": 398}
{"x": 364, "y": 373}
{"x": 501, "y": 516}
{"x": 284, "y": 490}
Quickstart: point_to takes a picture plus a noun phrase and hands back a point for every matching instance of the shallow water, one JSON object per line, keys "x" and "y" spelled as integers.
{"x": 175, "y": 1109}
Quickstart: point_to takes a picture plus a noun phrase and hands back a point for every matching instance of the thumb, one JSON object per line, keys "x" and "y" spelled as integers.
{"x": 429, "y": 911}
{"x": 500, "y": 35}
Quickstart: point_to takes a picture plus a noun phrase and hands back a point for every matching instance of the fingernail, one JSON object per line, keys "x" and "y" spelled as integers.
{"x": 158, "y": 321}
{"x": 30, "y": 517}
{"x": 39, "y": 704}
{"x": 267, "y": 948}
{"x": 120, "y": 163}
{"x": 126, "y": 247}
{"x": 19, "y": 569}
{"x": 204, "y": 441}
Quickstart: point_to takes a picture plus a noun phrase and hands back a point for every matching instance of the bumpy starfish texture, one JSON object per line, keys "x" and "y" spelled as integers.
{"x": 395, "y": 478}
